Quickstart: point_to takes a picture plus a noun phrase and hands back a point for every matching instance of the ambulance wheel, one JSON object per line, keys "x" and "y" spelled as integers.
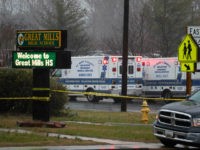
{"x": 117, "y": 100}
{"x": 167, "y": 94}
{"x": 92, "y": 98}
{"x": 72, "y": 98}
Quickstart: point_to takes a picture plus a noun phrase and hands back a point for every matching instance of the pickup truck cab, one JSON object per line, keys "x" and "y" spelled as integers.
{"x": 179, "y": 122}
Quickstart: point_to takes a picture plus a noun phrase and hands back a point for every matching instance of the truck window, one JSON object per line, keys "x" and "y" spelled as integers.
{"x": 195, "y": 96}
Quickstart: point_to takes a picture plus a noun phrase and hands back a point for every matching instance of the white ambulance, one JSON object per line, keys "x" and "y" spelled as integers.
{"x": 162, "y": 77}
{"x": 102, "y": 74}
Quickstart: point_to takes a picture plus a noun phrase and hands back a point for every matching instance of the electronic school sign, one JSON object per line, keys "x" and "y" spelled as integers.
{"x": 34, "y": 59}
{"x": 37, "y": 39}
{"x": 41, "y": 49}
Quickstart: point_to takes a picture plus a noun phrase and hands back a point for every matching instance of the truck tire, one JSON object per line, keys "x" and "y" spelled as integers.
{"x": 117, "y": 100}
{"x": 168, "y": 143}
{"x": 72, "y": 98}
{"x": 92, "y": 98}
{"x": 167, "y": 94}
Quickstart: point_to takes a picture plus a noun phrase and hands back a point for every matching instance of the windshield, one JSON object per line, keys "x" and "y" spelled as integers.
{"x": 195, "y": 97}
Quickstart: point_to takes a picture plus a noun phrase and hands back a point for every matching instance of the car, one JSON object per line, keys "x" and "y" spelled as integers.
{"x": 179, "y": 122}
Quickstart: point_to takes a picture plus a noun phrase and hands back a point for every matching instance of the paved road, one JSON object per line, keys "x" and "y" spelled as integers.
{"x": 109, "y": 105}
{"x": 89, "y": 147}
{"x": 102, "y": 147}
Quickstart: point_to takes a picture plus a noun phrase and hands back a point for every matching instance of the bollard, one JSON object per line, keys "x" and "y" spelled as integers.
{"x": 145, "y": 110}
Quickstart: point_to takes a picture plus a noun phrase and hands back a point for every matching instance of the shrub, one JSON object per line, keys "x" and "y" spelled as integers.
{"x": 57, "y": 99}
{"x": 18, "y": 83}
{"x": 15, "y": 83}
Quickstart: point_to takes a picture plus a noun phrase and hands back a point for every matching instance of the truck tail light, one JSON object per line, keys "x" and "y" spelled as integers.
{"x": 114, "y": 69}
{"x": 138, "y": 69}
{"x": 143, "y": 63}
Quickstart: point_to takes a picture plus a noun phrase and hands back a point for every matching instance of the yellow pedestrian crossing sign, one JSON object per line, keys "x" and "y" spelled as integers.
{"x": 188, "y": 50}
{"x": 187, "y": 67}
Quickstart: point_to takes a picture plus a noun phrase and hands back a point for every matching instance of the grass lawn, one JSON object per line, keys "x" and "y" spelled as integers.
{"x": 132, "y": 130}
{"x": 102, "y": 117}
{"x": 17, "y": 139}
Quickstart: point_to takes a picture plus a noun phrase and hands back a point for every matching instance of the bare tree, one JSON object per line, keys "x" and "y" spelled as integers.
{"x": 107, "y": 25}
{"x": 169, "y": 19}
{"x": 105, "y": 21}
{"x": 11, "y": 18}
{"x": 63, "y": 15}
{"x": 155, "y": 26}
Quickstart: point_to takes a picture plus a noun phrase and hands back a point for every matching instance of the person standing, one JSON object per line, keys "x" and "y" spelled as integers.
{"x": 184, "y": 51}
{"x": 189, "y": 50}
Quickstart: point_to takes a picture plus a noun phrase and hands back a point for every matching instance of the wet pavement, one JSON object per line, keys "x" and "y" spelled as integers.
{"x": 89, "y": 147}
{"x": 131, "y": 146}
{"x": 109, "y": 106}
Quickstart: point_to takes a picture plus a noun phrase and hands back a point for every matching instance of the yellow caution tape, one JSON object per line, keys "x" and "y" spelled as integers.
{"x": 118, "y": 96}
{"x": 87, "y": 93}
{"x": 41, "y": 89}
{"x": 26, "y": 98}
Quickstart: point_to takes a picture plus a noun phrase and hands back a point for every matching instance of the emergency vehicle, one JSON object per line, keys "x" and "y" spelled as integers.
{"x": 162, "y": 77}
{"x": 102, "y": 74}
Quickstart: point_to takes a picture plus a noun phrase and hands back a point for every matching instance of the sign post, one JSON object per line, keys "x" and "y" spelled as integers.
{"x": 41, "y": 88}
{"x": 188, "y": 56}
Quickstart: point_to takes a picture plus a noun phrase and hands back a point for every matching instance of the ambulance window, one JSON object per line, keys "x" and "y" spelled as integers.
{"x": 56, "y": 73}
{"x": 130, "y": 69}
{"x": 120, "y": 69}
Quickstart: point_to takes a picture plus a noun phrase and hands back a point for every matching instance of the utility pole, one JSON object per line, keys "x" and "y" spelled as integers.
{"x": 125, "y": 55}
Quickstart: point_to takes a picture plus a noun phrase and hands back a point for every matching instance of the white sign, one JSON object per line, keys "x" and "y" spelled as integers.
{"x": 195, "y": 32}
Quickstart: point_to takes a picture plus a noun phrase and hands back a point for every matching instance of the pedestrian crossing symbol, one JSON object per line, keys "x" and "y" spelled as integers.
{"x": 188, "y": 50}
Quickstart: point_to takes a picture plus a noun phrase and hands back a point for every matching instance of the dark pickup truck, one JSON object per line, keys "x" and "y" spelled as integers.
{"x": 179, "y": 122}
